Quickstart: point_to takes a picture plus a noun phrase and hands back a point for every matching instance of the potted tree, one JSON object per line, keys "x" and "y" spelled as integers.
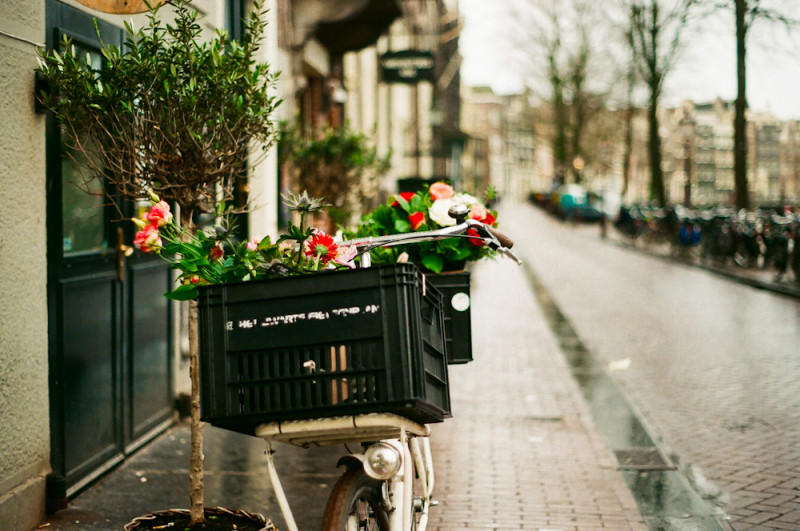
{"x": 339, "y": 164}
{"x": 171, "y": 115}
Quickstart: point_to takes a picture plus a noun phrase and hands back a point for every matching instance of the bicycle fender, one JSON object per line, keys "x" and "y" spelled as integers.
{"x": 352, "y": 461}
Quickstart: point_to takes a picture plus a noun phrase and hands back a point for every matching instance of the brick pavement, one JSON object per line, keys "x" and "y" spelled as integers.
{"x": 522, "y": 451}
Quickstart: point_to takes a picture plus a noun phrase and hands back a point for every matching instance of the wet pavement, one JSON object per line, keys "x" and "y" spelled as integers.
{"x": 663, "y": 494}
{"x": 708, "y": 364}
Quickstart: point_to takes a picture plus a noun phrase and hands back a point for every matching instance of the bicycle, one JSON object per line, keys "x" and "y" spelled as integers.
{"x": 388, "y": 486}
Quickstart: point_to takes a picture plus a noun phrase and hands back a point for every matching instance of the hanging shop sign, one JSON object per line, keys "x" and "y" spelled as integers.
{"x": 120, "y": 7}
{"x": 407, "y": 66}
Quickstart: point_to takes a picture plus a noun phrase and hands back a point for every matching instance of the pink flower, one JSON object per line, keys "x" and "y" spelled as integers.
{"x": 478, "y": 212}
{"x": 416, "y": 219}
{"x": 252, "y": 245}
{"x": 345, "y": 255}
{"x": 159, "y": 214}
{"x": 321, "y": 245}
{"x": 148, "y": 240}
{"x": 441, "y": 191}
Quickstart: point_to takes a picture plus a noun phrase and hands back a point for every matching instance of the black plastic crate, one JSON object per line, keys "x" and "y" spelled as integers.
{"x": 329, "y": 344}
{"x": 456, "y": 303}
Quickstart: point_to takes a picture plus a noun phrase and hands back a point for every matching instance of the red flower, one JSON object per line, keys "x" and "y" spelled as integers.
{"x": 216, "y": 253}
{"x": 405, "y": 195}
{"x": 476, "y": 238}
{"x": 489, "y": 219}
{"x": 322, "y": 246}
{"x": 416, "y": 219}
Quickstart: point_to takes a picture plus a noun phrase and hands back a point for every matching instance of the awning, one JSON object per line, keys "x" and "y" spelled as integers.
{"x": 359, "y": 30}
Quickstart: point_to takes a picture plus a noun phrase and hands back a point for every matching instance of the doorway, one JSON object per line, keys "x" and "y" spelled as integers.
{"x": 109, "y": 324}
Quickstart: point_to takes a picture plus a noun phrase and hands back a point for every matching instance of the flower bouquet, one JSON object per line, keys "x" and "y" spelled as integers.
{"x": 428, "y": 209}
{"x": 210, "y": 256}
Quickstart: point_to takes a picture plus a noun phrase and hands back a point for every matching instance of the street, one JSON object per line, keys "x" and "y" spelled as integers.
{"x": 711, "y": 365}
{"x": 707, "y": 365}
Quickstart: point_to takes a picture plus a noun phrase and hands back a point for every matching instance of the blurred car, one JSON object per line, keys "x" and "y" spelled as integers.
{"x": 573, "y": 201}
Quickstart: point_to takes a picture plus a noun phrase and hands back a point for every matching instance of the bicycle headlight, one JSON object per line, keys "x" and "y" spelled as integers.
{"x": 382, "y": 461}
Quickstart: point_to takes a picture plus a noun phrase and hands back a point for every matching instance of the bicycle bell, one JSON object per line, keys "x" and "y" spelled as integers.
{"x": 458, "y": 212}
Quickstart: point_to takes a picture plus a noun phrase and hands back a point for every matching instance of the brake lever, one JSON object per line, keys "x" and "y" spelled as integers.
{"x": 510, "y": 254}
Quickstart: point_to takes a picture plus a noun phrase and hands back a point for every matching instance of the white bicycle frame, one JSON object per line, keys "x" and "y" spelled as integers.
{"x": 408, "y": 437}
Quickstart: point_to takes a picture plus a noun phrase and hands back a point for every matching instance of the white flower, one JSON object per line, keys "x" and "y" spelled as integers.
{"x": 438, "y": 212}
{"x": 466, "y": 199}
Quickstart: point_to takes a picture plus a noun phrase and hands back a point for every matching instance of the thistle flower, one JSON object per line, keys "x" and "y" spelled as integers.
{"x": 303, "y": 203}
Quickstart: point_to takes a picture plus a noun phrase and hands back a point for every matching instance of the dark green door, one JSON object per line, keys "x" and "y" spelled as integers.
{"x": 109, "y": 324}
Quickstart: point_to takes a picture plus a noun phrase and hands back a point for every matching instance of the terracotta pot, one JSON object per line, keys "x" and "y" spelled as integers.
{"x": 223, "y": 519}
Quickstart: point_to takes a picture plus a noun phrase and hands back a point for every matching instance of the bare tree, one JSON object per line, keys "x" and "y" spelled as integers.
{"x": 746, "y": 14}
{"x": 656, "y": 30}
{"x": 559, "y": 53}
{"x": 630, "y": 83}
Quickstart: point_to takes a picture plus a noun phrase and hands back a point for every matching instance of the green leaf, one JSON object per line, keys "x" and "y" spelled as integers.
{"x": 383, "y": 217}
{"x": 450, "y": 243}
{"x": 401, "y": 225}
{"x": 403, "y": 204}
{"x": 265, "y": 243}
{"x": 463, "y": 253}
{"x": 184, "y": 292}
{"x": 417, "y": 204}
{"x": 434, "y": 262}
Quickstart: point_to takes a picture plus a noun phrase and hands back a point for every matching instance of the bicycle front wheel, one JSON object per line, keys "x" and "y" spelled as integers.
{"x": 355, "y": 504}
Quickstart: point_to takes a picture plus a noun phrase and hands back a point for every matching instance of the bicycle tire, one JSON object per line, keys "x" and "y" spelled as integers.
{"x": 355, "y": 504}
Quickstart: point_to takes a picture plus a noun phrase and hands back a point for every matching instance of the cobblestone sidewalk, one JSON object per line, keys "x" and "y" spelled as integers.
{"x": 521, "y": 451}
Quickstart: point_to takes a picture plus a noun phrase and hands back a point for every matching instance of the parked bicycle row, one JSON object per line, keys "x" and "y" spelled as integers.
{"x": 763, "y": 239}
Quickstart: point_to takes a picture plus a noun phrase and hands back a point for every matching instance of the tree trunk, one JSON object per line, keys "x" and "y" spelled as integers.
{"x": 560, "y": 137}
{"x": 630, "y": 82}
{"x": 196, "y": 458}
{"x": 654, "y": 148}
{"x": 628, "y": 150}
{"x": 740, "y": 119}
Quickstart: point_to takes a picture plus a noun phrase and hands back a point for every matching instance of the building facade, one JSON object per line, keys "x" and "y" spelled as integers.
{"x": 90, "y": 361}
{"x": 698, "y": 145}
{"x": 93, "y": 356}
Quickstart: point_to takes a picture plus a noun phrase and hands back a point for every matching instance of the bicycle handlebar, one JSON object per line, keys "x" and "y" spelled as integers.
{"x": 504, "y": 240}
{"x": 495, "y": 239}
